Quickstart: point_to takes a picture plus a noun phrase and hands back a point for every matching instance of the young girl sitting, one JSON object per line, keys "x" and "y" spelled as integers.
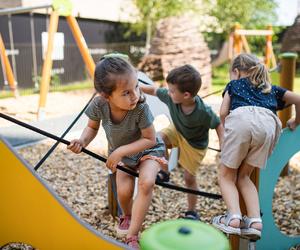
{"x": 248, "y": 112}
{"x": 127, "y": 122}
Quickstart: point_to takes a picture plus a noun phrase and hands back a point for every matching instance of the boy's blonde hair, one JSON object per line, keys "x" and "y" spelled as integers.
{"x": 256, "y": 71}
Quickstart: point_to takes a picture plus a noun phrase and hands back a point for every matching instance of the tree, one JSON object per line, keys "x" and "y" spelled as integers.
{"x": 214, "y": 16}
{"x": 250, "y": 14}
{"x": 151, "y": 11}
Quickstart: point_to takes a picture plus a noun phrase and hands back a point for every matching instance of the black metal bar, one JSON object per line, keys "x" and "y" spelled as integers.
{"x": 63, "y": 135}
{"x": 101, "y": 158}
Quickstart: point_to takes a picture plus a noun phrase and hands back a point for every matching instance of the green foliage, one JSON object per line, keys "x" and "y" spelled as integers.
{"x": 155, "y": 10}
{"x": 55, "y": 80}
{"x": 250, "y": 14}
{"x": 254, "y": 14}
{"x": 220, "y": 78}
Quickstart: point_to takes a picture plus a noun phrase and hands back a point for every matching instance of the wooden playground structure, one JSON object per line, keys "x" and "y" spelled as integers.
{"x": 237, "y": 43}
{"x": 80, "y": 235}
{"x": 58, "y": 8}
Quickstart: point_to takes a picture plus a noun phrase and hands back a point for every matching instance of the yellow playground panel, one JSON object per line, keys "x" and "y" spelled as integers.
{"x": 32, "y": 213}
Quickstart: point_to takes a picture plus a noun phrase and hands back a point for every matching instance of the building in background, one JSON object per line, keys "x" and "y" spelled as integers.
{"x": 103, "y": 24}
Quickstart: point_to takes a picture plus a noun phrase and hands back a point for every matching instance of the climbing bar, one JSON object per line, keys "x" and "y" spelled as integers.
{"x": 101, "y": 158}
{"x": 212, "y": 93}
{"x": 63, "y": 135}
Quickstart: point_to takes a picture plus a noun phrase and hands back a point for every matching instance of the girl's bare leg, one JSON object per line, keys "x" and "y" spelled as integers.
{"x": 227, "y": 180}
{"x": 249, "y": 193}
{"x": 125, "y": 188}
{"x": 147, "y": 176}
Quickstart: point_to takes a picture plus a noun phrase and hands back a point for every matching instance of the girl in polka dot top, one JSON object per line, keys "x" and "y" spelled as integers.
{"x": 252, "y": 128}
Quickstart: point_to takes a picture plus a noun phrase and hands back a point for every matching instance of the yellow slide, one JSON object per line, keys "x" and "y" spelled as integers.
{"x": 30, "y": 212}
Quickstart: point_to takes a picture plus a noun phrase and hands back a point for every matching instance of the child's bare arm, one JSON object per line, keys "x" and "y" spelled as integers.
{"x": 220, "y": 133}
{"x": 292, "y": 98}
{"x": 88, "y": 134}
{"x": 147, "y": 140}
{"x": 148, "y": 89}
{"x": 224, "y": 110}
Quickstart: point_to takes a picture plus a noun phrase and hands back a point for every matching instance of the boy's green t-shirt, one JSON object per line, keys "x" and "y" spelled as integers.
{"x": 194, "y": 127}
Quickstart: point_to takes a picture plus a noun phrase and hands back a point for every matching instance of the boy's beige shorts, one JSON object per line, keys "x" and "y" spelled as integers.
{"x": 250, "y": 136}
{"x": 190, "y": 158}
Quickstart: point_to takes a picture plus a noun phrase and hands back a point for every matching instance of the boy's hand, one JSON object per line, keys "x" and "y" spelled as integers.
{"x": 292, "y": 124}
{"x": 113, "y": 160}
{"x": 75, "y": 146}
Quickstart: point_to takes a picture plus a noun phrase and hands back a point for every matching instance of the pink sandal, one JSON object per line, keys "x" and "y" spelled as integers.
{"x": 123, "y": 225}
{"x": 133, "y": 242}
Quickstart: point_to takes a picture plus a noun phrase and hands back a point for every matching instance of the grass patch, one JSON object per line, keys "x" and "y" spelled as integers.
{"x": 221, "y": 77}
{"x": 56, "y": 88}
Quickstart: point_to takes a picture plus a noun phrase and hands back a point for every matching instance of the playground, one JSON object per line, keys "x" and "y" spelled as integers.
{"x": 81, "y": 181}
{"x": 55, "y": 199}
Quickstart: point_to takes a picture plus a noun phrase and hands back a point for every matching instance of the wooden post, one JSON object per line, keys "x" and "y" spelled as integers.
{"x": 237, "y": 42}
{"x": 287, "y": 75}
{"x": 47, "y": 66}
{"x": 230, "y": 46}
{"x": 245, "y": 44}
{"x": 234, "y": 239}
{"x": 8, "y": 69}
{"x": 268, "y": 48}
{"x": 112, "y": 195}
{"x": 89, "y": 62}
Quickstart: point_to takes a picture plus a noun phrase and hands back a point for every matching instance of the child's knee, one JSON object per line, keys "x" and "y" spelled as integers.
{"x": 124, "y": 192}
{"x": 190, "y": 179}
{"x": 226, "y": 173}
{"x": 242, "y": 179}
{"x": 146, "y": 185}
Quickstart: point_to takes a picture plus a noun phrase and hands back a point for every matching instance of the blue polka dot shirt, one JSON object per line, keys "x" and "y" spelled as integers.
{"x": 243, "y": 93}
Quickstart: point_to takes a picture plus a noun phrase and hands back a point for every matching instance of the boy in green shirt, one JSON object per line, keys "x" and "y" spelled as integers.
{"x": 192, "y": 119}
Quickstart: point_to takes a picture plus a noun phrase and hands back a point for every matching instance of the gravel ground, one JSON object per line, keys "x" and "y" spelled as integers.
{"x": 82, "y": 181}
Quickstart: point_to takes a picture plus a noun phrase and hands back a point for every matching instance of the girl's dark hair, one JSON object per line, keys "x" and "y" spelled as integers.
{"x": 257, "y": 72}
{"x": 107, "y": 73}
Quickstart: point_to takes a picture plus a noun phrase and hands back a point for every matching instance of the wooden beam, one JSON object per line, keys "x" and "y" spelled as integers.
{"x": 47, "y": 65}
{"x": 254, "y": 32}
{"x": 268, "y": 52}
{"x": 8, "y": 70}
{"x": 79, "y": 38}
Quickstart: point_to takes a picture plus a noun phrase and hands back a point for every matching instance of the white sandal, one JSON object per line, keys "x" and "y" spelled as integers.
{"x": 249, "y": 232}
{"x": 224, "y": 227}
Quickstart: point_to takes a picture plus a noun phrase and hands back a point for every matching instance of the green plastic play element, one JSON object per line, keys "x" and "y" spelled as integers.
{"x": 272, "y": 237}
{"x": 183, "y": 234}
{"x": 288, "y": 55}
{"x": 63, "y": 7}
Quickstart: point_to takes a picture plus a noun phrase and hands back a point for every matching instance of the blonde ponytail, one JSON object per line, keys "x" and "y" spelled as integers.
{"x": 255, "y": 70}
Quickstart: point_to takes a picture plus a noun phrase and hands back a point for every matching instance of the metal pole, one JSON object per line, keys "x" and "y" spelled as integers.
{"x": 33, "y": 45}
{"x": 19, "y": 10}
{"x": 47, "y": 18}
{"x": 3, "y": 70}
{"x": 12, "y": 47}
